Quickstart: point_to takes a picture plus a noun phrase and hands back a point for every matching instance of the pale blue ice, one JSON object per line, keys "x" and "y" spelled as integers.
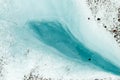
{"x": 55, "y": 23}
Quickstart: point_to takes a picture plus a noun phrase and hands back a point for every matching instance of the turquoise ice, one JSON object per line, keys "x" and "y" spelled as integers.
{"x": 55, "y": 35}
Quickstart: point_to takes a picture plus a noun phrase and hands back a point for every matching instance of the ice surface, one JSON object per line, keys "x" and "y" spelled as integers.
{"x": 25, "y": 54}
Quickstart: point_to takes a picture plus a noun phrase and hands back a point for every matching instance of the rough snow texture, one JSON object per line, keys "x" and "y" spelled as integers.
{"x": 107, "y": 15}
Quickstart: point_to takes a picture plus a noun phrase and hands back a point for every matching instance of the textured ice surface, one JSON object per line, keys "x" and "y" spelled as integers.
{"x": 61, "y": 43}
{"x": 107, "y": 15}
